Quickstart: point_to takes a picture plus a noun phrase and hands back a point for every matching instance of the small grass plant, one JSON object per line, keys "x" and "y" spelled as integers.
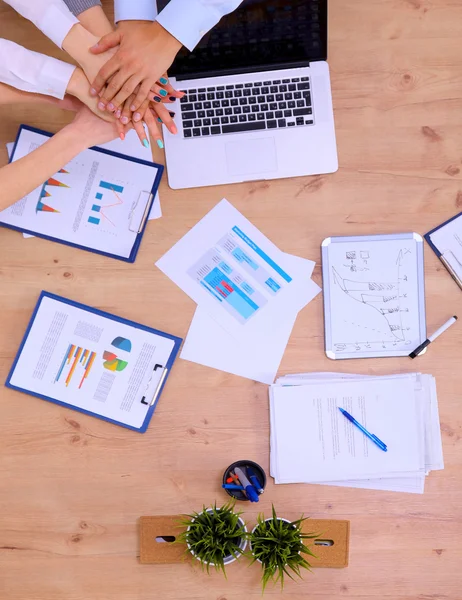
{"x": 279, "y": 546}
{"x": 213, "y": 535}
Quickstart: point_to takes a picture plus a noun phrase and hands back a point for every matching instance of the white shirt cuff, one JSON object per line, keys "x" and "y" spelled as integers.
{"x": 135, "y": 10}
{"x": 188, "y": 20}
{"x": 55, "y": 77}
{"x": 56, "y": 23}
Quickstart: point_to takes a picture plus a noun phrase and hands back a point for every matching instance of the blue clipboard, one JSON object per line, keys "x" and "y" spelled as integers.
{"x": 437, "y": 251}
{"x": 155, "y": 187}
{"x": 167, "y": 367}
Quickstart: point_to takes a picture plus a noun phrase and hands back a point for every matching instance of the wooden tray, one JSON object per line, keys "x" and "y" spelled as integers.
{"x": 157, "y": 534}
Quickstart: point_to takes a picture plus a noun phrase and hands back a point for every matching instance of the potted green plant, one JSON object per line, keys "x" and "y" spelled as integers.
{"x": 278, "y": 545}
{"x": 215, "y": 536}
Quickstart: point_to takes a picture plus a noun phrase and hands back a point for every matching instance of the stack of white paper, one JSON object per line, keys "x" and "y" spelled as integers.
{"x": 313, "y": 442}
{"x": 248, "y": 294}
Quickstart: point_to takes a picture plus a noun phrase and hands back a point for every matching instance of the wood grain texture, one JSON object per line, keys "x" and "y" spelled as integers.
{"x": 72, "y": 488}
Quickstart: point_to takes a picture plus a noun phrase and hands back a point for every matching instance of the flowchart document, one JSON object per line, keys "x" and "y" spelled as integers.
{"x": 374, "y": 295}
{"x": 98, "y": 201}
{"x": 241, "y": 279}
{"x": 89, "y": 361}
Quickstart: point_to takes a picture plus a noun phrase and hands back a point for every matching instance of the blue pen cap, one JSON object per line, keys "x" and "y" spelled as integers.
{"x": 243, "y": 464}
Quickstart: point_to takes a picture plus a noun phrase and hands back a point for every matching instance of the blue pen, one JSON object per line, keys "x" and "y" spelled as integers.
{"x": 254, "y": 480}
{"x": 371, "y": 436}
{"x": 231, "y": 486}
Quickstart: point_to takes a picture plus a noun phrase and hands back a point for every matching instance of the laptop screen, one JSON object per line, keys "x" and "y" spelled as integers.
{"x": 259, "y": 35}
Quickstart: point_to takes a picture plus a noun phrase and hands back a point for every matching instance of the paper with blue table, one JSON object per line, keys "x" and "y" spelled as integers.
{"x": 86, "y": 205}
{"x": 247, "y": 290}
{"x": 93, "y": 362}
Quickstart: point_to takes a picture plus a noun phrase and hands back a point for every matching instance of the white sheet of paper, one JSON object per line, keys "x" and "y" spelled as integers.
{"x": 91, "y": 362}
{"x": 232, "y": 271}
{"x": 316, "y": 443}
{"x": 80, "y": 206}
{"x": 425, "y": 386}
{"x": 375, "y": 300}
{"x": 448, "y": 240}
{"x": 207, "y": 343}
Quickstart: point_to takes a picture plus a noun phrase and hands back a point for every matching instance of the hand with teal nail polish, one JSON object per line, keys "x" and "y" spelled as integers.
{"x": 144, "y": 53}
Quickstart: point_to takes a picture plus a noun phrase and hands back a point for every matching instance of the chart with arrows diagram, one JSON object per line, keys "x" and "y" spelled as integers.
{"x": 375, "y": 297}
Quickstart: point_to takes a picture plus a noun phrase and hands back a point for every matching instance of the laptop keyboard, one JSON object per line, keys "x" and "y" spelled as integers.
{"x": 245, "y": 107}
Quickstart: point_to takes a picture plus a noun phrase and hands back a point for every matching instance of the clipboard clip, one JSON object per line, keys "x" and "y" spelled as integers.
{"x": 133, "y": 226}
{"x": 144, "y": 399}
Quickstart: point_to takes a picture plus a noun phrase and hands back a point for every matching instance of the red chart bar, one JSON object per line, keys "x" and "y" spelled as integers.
{"x": 227, "y": 286}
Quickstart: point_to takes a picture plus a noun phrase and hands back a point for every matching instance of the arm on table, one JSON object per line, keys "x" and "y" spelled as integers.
{"x": 19, "y": 178}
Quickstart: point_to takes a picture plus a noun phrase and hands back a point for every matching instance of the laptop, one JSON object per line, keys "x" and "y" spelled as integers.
{"x": 258, "y": 103}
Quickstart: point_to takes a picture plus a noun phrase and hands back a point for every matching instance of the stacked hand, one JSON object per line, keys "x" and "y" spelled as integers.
{"x": 128, "y": 85}
{"x": 133, "y": 84}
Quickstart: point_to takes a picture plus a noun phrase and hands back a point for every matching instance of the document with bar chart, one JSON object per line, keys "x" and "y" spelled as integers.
{"x": 236, "y": 274}
{"x": 94, "y": 362}
{"x": 99, "y": 201}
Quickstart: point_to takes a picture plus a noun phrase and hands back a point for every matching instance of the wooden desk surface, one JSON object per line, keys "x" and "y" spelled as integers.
{"x": 72, "y": 487}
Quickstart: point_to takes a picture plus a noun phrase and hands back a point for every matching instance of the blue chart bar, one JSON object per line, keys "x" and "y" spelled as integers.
{"x": 111, "y": 186}
{"x": 96, "y": 208}
{"x": 93, "y": 220}
{"x": 99, "y": 196}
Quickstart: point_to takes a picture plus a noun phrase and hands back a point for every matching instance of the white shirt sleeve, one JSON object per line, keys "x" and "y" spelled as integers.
{"x": 33, "y": 72}
{"x": 134, "y": 10}
{"x": 187, "y": 20}
{"x": 51, "y": 16}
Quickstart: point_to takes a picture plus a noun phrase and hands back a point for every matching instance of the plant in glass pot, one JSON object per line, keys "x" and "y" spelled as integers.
{"x": 278, "y": 545}
{"x": 215, "y": 536}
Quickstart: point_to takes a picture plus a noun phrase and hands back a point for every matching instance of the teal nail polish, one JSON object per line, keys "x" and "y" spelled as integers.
{"x": 159, "y": 119}
{"x": 145, "y": 143}
{"x": 163, "y": 93}
{"x": 163, "y": 81}
{"x": 160, "y": 143}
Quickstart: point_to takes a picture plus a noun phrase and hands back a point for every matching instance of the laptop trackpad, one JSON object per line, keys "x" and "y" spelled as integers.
{"x": 251, "y": 156}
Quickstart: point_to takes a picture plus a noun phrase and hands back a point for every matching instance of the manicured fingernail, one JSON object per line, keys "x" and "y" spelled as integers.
{"x": 137, "y": 117}
{"x": 172, "y": 114}
{"x": 101, "y": 106}
{"x": 110, "y": 106}
{"x": 172, "y": 99}
{"x": 133, "y": 108}
{"x": 118, "y": 113}
{"x": 160, "y": 143}
{"x": 163, "y": 93}
{"x": 93, "y": 92}
{"x": 163, "y": 81}
{"x": 95, "y": 46}
{"x": 122, "y": 136}
{"x": 145, "y": 143}
{"x": 157, "y": 99}
{"x": 124, "y": 120}
{"x": 159, "y": 119}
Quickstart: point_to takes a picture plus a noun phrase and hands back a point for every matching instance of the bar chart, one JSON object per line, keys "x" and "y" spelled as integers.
{"x": 107, "y": 199}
